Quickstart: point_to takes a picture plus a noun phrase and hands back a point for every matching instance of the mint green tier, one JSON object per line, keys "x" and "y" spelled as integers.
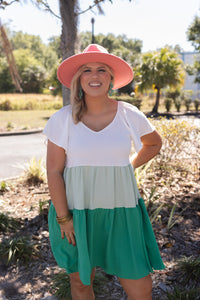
{"x": 119, "y": 240}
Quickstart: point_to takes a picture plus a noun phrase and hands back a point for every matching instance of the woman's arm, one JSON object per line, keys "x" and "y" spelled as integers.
{"x": 151, "y": 146}
{"x": 55, "y": 167}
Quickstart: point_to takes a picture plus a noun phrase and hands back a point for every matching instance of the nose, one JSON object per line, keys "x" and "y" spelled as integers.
{"x": 94, "y": 73}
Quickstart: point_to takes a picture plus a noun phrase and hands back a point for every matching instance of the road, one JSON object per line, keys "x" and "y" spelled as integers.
{"x": 17, "y": 151}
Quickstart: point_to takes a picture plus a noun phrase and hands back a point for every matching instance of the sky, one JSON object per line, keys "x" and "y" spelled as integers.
{"x": 156, "y": 22}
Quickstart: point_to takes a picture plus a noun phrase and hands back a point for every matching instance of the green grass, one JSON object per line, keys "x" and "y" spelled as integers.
{"x": 29, "y": 102}
{"x": 27, "y": 119}
{"x": 30, "y": 111}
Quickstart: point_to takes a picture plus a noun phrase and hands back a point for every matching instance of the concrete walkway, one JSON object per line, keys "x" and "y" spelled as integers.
{"x": 17, "y": 150}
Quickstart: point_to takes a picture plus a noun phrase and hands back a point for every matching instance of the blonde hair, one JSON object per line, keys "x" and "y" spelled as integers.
{"x": 78, "y": 104}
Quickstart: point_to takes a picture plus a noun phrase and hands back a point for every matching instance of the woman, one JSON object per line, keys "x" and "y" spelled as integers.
{"x": 97, "y": 217}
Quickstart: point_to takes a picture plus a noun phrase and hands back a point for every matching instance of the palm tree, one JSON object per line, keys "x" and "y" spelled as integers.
{"x": 160, "y": 69}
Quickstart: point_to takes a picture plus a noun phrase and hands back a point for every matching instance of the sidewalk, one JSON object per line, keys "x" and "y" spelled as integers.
{"x": 17, "y": 149}
{"x": 21, "y": 132}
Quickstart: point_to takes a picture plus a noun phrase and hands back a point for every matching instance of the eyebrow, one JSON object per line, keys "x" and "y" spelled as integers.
{"x": 100, "y": 67}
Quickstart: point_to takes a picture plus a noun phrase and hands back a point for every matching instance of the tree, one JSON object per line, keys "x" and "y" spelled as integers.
{"x": 31, "y": 71}
{"x": 160, "y": 69}
{"x": 193, "y": 35}
{"x": 44, "y": 54}
{"x": 6, "y": 83}
{"x": 69, "y": 15}
{"x": 120, "y": 45}
{"x": 3, "y": 3}
{"x": 54, "y": 44}
{"x": 69, "y": 12}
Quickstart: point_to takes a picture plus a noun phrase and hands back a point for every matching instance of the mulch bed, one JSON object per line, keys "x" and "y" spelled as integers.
{"x": 34, "y": 280}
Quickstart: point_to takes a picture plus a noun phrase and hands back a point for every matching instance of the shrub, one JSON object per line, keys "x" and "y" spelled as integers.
{"x": 168, "y": 104}
{"x": 180, "y": 140}
{"x": 189, "y": 268}
{"x": 177, "y": 104}
{"x": 132, "y": 100}
{"x": 10, "y": 126}
{"x": 8, "y": 223}
{"x": 186, "y": 96}
{"x": 61, "y": 286}
{"x": 187, "y": 103}
{"x": 35, "y": 173}
{"x": 18, "y": 250}
{"x": 4, "y": 186}
{"x": 183, "y": 294}
{"x": 197, "y": 104}
{"x": 6, "y": 105}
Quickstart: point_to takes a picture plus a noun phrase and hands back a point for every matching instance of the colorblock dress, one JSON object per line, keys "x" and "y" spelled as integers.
{"x": 111, "y": 224}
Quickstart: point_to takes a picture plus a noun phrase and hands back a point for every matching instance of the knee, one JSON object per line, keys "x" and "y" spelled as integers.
{"x": 78, "y": 288}
{"x": 138, "y": 289}
{"x": 76, "y": 282}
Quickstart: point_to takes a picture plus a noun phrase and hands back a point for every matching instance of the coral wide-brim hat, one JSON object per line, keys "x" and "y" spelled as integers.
{"x": 123, "y": 73}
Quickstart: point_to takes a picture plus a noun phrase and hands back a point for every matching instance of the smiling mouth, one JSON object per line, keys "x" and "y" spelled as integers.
{"x": 94, "y": 84}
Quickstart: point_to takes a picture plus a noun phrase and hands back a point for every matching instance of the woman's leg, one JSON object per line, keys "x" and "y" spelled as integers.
{"x": 79, "y": 291}
{"x": 140, "y": 289}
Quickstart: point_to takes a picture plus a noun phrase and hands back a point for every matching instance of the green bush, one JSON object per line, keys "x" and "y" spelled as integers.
{"x": 10, "y": 126}
{"x": 186, "y": 96}
{"x": 183, "y": 294}
{"x": 6, "y": 105}
{"x": 8, "y": 224}
{"x": 18, "y": 250}
{"x": 4, "y": 186}
{"x": 168, "y": 104}
{"x": 177, "y": 104}
{"x": 189, "y": 268}
{"x": 196, "y": 104}
{"x": 132, "y": 100}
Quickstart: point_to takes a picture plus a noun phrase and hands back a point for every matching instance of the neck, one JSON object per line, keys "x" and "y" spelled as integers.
{"x": 96, "y": 104}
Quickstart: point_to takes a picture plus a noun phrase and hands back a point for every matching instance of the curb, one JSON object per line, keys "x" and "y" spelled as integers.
{"x": 22, "y": 132}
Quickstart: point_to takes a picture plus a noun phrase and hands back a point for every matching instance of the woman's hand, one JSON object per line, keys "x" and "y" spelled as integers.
{"x": 68, "y": 231}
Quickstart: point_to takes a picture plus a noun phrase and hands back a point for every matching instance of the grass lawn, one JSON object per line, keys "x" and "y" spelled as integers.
{"x": 30, "y": 111}
{"x": 24, "y": 119}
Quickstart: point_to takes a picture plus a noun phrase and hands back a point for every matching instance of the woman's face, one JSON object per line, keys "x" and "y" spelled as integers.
{"x": 95, "y": 79}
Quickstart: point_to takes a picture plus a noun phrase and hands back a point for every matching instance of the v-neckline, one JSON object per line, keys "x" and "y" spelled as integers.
{"x": 106, "y": 127}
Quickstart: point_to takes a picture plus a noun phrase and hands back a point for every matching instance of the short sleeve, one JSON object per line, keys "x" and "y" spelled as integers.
{"x": 57, "y": 127}
{"x": 138, "y": 119}
{"x": 138, "y": 124}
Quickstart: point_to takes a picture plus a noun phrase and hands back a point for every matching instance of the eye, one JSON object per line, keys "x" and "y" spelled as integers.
{"x": 86, "y": 70}
{"x": 102, "y": 70}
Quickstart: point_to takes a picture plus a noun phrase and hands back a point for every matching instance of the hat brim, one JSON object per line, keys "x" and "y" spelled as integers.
{"x": 123, "y": 73}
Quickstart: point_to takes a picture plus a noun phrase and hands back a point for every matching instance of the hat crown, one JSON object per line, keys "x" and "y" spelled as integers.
{"x": 95, "y": 48}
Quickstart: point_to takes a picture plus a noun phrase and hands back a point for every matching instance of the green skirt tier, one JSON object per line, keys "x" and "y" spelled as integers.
{"x": 111, "y": 223}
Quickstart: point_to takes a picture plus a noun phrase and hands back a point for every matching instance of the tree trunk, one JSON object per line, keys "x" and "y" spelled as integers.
{"x": 155, "y": 108}
{"x": 68, "y": 12}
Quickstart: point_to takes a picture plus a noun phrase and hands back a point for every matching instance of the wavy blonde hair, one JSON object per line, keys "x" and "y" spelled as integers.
{"x": 79, "y": 105}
